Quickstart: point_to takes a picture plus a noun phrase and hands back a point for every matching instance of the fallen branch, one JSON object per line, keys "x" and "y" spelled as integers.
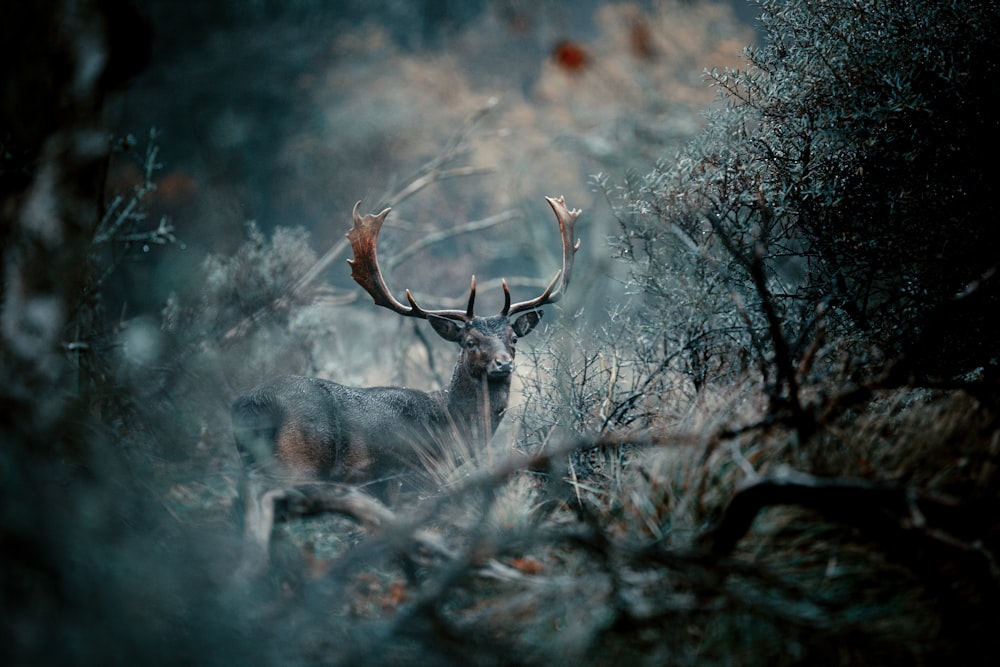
{"x": 264, "y": 508}
{"x": 917, "y": 526}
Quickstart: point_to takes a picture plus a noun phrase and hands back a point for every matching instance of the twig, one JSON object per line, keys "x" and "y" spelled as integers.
{"x": 444, "y": 234}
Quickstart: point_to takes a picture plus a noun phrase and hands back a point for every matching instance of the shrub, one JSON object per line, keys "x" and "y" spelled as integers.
{"x": 843, "y": 179}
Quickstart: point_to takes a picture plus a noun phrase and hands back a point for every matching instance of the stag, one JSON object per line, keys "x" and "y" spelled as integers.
{"x": 313, "y": 428}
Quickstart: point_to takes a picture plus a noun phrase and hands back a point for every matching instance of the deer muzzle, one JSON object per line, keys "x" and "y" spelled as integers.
{"x": 501, "y": 366}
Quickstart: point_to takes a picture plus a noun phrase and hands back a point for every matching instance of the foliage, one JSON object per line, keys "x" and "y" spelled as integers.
{"x": 260, "y": 278}
{"x": 121, "y": 234}
{"x": 841, "y": 187}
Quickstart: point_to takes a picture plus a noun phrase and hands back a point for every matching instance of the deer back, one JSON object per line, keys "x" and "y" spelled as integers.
{"x": 317, "y": 429}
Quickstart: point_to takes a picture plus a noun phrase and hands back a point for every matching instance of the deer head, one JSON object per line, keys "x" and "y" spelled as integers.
{"x": 487, "y": 343}
{"x": 459, "y": 326}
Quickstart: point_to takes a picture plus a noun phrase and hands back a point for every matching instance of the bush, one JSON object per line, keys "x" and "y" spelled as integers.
{"x": 842, "y": 186}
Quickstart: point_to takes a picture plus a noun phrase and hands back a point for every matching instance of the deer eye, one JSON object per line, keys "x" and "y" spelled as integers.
{"x": 471, "y": 343}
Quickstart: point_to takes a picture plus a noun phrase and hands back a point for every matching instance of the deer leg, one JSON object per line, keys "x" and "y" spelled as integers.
{"x": 258, "y": 522}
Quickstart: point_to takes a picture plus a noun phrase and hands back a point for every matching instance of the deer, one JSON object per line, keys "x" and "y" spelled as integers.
{"x": 316, "y": 429}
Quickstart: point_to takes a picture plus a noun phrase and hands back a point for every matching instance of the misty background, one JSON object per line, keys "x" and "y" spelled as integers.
{"x": 287, "y": 113}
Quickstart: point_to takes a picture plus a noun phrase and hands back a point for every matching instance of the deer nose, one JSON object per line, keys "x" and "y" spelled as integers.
{"x": 502, "y": 364}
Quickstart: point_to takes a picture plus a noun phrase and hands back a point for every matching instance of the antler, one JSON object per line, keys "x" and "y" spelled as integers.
{"x": 366, "y": 272}
{"x": 567, "y": 219}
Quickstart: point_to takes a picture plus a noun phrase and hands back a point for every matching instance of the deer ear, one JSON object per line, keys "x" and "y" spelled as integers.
{"x": 447, "y": 329}
{"x": 523, "y": 325}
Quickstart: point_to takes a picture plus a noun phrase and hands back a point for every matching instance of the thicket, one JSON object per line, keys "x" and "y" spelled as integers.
{"x": 782, "y": 450}
{"x": 839, "y": 192}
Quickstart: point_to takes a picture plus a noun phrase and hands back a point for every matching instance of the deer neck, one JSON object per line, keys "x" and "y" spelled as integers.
{"x": 474, "y": 402}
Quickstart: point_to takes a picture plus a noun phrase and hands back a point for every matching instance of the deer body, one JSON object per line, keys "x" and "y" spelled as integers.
{"x": 317, "y": 429}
